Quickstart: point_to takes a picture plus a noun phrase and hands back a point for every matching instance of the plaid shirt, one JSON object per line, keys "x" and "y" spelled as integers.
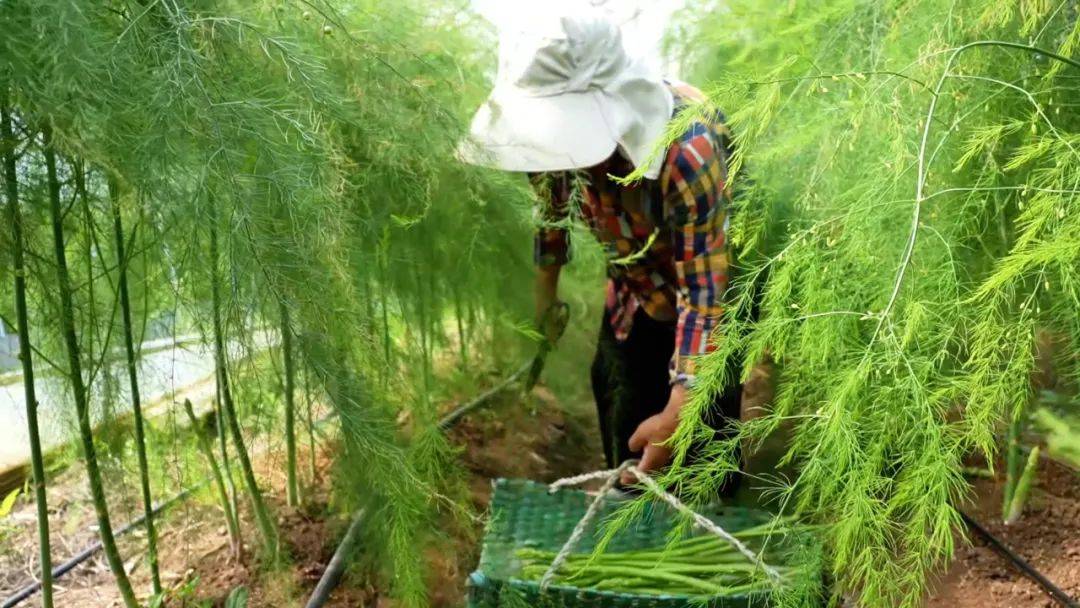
{"x": 665, "y": 238}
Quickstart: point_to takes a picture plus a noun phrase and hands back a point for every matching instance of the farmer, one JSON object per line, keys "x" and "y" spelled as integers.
{"x": 574, "y": 110}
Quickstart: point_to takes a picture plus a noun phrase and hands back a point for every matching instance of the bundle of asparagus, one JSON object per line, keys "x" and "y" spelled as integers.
{"x": 704, "y": 565}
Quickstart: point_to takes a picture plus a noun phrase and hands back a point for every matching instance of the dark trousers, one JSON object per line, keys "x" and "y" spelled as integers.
{"x": 630, "y": 382}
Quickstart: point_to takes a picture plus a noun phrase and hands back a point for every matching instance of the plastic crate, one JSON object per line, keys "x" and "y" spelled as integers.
{"x": 525, "y": 514}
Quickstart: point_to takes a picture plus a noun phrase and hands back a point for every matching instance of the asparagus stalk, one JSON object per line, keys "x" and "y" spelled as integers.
{"x": 78, "y": 384}
{"x": 1023, "y": 487}
{"x": 37, "y": 460}
{"x": 267, "y": 531}
{"x": 219, "y": 479}
{"x": 1012, "y": 463}
{"x": 133, "y": 380}
{"x": 292, "y": 487}
{"x": 226, "y": 462}
{"x": 700, "y": 565}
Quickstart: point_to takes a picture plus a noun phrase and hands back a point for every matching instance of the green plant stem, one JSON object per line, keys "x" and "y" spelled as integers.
{"x": 291, "y": 485}
{"x": 78, "y": 388}
{"x": 463, "y": 341}
{"x": 226, "y": 464}
{"x": 703, "y": 546}
{"x": 690, "y": 566}
{"x": 89, "y": 330}
{"x": 387, "y": 351}
{"x": 37, "y": 460}
{"x": 727, "y": 557}
{"x": 133, "y": 379}
{"x": 1023, "y": 487}
{"x": 621, "y": 583}
{"x": 267, "y": 532}
{"x": 310, "y": 423}
{"x": 219, "y": 479}
{"x": 1012, "y": 463}
{"x": 695, "y": 568}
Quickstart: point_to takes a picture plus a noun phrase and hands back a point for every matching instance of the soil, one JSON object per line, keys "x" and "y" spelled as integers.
{"x": 535, "y": 439}
{"x": 531, "y": 438}
{"x": 194, "y": 552}
{"x": 1047, "y": 536}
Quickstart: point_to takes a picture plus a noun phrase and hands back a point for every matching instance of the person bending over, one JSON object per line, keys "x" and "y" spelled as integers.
{"x": 575, "y": 111}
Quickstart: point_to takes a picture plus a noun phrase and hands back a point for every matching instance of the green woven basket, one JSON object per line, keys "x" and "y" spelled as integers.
{"x": 525, "y": 514}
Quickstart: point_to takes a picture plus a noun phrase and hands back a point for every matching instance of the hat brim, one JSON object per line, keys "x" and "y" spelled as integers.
{"x": 514, "y": 131}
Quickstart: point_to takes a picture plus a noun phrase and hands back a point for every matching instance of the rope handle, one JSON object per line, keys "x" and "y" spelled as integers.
{"x": 611, "y": 476}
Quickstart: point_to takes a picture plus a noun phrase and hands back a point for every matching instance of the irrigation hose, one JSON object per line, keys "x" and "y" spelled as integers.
{"x": 1025, "y": 568}
{"x": 449, "y": 420}
{"x": 559, "y": 314}
{"x": 336, "y": 568}
{"x": 332, "y": 576}
{"x": 89, "y": 551}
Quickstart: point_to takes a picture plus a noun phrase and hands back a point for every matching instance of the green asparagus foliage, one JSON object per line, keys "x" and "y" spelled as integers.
{"x": 320, "y": 138}
{"x": 907, "y": 175}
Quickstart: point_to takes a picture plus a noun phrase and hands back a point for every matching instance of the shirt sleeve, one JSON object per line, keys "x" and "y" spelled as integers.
{"x": 695, "y": 209}
{"x": 552, "y": 241}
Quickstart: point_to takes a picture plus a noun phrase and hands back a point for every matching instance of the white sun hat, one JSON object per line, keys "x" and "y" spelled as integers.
{"x": 566, "y": 96}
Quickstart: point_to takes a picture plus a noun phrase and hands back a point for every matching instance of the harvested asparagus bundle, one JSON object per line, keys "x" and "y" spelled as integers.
{"x": 704, "y": 565}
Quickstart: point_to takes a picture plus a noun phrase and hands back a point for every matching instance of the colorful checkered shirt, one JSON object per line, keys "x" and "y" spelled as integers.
{"x": 665, "y": 238}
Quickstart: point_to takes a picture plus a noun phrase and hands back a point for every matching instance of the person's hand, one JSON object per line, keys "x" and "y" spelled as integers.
{"x": 551, "y": 323}
{"x": 547, "y": 300}
{"x": 653, "y": 432}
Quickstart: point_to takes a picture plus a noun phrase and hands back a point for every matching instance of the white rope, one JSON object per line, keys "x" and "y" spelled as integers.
{"x": 702, "y": 521}
{"x": 579, "y": 530}
{"x": 612, "y": 476}
{"x": 577, "y": 480}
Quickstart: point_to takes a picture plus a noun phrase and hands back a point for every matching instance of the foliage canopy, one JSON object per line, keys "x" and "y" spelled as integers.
{"x": 317, "y": 139}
